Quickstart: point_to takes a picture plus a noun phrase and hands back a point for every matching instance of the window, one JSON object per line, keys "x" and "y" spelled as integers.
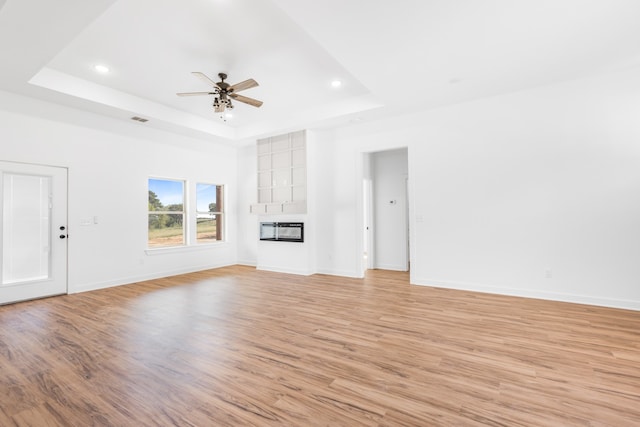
{"x": 209, "y": 209}
{"x": 166, "y": 213}
{"x": 180, "y": 217}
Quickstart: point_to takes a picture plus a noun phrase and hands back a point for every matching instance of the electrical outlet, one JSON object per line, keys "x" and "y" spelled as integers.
{"x": 548, "y": 273}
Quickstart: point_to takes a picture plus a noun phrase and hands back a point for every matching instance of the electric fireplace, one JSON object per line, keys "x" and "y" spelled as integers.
{"x": 282, "y": 231}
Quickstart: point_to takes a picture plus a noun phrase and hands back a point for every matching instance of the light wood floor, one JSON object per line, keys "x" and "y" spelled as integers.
{"x": 238, "y": 347}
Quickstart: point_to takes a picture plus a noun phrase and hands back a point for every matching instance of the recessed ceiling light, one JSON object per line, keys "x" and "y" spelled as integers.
{"x": 102, "y": 69}
{"x": 336, "y": 83}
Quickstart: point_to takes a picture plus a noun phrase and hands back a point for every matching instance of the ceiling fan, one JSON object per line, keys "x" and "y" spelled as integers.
{"x": 224, "y": 92}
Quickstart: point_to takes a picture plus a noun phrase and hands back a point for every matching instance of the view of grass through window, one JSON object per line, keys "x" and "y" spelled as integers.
{"x": 166, "y": 213}
{"x": 168, "y": 217}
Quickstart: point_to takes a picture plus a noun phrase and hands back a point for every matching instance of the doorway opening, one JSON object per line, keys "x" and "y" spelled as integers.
{"x": 385, "y": 236}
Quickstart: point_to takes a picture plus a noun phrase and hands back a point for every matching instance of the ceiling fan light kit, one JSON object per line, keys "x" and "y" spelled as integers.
{"x": 223, "y": 93}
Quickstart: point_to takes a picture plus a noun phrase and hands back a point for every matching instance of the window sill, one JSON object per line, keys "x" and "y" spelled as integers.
{"x": 183, "y": 249}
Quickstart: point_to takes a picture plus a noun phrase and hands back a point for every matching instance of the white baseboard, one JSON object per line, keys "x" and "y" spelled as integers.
{"x": 530, "y": 293}
{"x": 341, "y": 273}
{"x": 141, "y": 278}
{"x": 392, "y": 267}
{"x": 284, "y": 270}
{"x": 247, "y": 263}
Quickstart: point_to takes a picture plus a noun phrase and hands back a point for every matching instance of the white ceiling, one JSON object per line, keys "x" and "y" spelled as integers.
{"x": 392, "y": 57}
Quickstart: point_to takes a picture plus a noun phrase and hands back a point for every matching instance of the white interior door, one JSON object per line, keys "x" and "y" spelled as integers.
{"x": 33, "y": 220}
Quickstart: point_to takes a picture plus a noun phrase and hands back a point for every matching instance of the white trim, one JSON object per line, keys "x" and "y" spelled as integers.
{"x": 531, "y": 293}
{"x": 184, "y": 248}
{"x": 284, "y": 270}
{"x": 144, "y": 277}
{"x": 340, "y": 273}
{"x": 392, "y": 267}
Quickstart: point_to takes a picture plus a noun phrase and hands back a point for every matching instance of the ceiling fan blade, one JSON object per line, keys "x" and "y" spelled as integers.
{"x": 204, "y": 78}
{"x": 247, "y": 84}
{"x": 194, "y": 93}
{"x": 246, "y": 100}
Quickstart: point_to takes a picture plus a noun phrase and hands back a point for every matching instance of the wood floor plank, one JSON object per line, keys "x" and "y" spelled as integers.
{"x": 236, "y": 346}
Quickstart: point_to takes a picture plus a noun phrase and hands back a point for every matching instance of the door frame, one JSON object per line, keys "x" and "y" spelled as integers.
{"x": 362, "y": 157}
{"x": 57, "y": 282}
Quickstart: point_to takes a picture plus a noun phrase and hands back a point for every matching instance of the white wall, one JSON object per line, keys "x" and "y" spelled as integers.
{"x": 507, "y": 189}
{"x": 247, "y": 223}
{"x": 390, "y": 172}
{"x": 338, "y": 184}
{"x": 108, "y": 172}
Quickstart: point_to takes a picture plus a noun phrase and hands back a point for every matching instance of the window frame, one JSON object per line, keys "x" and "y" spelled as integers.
{"x": 190, "y": 214}
{"x": 183, "y": 212}
{"x": 219, "y": 213}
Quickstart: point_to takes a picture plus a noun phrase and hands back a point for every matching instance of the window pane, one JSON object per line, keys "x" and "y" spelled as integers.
{"x": 209, "y": 228}
{"x": 207, "y": 196}
{"x": 26, "y": 228}
{"x": 165, "y": 227}
{"x": 166, "y": 230}
{"x": 166, "y": 195}
{"x": 209, "y": 218}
